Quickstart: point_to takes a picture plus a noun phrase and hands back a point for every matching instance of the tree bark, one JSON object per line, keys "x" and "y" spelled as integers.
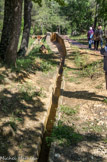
{"x": 11, "y": 30}
{"x": 6, "y": 28}
{"x": 96, "y": 16}
{"x": 11, "y": 52}
{"x": 27, "y": 26}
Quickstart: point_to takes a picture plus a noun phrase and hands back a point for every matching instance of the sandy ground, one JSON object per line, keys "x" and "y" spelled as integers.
{"x": 86, "y": 95}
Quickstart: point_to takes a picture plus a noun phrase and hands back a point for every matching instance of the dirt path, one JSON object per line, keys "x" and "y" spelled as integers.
{"x": 82, "y": 126}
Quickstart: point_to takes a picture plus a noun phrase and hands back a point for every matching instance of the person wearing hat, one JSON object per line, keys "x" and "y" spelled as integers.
{"x": 90, "y": 36}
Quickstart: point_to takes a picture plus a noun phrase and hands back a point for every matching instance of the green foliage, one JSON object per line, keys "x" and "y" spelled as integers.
{"x": 64, "y": 135}
{"x": 73, "y": 79}
{"x": 79, "y": 60}
{"x": 86, "y": 69}
{"x": 68, "y": 110}
{"x": 105, "y": 100}
{"x": 66, "y": 16}
{"x": 60, "y": 2}
{"x": 79, "y": 14}
{"x": 105, "y": 140}
{"x": 37, "y": 1}
{"x": 99, "y": 86}
{"x": 94, "y": 127}
{"x": 91, "y": 70}
{"x": 102, "y": 9}
{"x": 26, "y": 89}
{"x": 1, "y": 15}
{"x": 29, "y": 64}
{"x": 47, "y": 17}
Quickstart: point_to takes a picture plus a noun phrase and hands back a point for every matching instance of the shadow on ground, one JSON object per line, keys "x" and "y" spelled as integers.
{"x": 69, "y": 145}
{"x": 17, "y": 136}
{"x": 82, "y": 95}
{"x": 30, "y": 64}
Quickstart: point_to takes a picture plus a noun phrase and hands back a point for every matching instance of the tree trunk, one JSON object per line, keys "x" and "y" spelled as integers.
{"x": 27, "y": 26}
{"x": 5, "y": 38}
{"x": 11, "y": 30}
{"x": 96, "y": 16}
{"x": 16, "y": 14}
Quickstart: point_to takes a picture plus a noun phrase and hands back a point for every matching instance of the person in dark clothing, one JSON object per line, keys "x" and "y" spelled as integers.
{"x": 98, "y": 38}
{"x": 101, "y": 36}
{"x": 103, "y": 51}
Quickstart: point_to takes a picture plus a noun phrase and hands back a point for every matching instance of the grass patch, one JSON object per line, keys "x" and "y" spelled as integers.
{"x": 27, "y": 63}
{"x": 69, "y": 110}
{"x": 86, "y": 69}
{"x": 99, "y": 86}
{"x": 1, "y": 79}
{"x": 73, "y": 79}
{"x": 31, "y": 40}
{"x": 41, "y": 92}
{"x": 45, "y": 66}
{"x": 80, "y": 61}
{"x": 105, "y": 100}
{"x": 69, "y": 77}
{"x": 94, "y": 127}
{"x": 64, "y": 135}
{"x": 105, "y": 140}
{"x": 80, "y": 38}
{"x": 5, "y": 108}
{"x": 28, "y": 91}
{"x": 15, "y": 118}
{"x": 36, "y": 61}
{"x": 66, "y": 70}
{"x": 91, "y": 70}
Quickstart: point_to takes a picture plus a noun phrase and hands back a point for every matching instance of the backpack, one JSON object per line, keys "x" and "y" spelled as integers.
{"x": 97, "y": 35}
{"x": 103, "y": 51}
{"x": 91, "y": 35}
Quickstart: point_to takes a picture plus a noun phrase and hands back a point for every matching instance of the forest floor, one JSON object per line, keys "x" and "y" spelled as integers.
{"x": 80, "y": 133}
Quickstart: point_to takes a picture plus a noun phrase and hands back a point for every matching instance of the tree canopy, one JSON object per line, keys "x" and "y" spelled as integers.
{"x": 47, "y": 17}
{"x": 74, "y": 15}
{"x": 63, "y": 16}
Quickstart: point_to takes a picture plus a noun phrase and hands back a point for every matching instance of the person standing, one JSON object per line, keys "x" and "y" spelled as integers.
{"x": 103, "y": 51}
{"x": 106, "y": 35}
{"x": 101, "y": 36}
{"x": 98, "y": 37}
{"x": 90, "y": 36}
